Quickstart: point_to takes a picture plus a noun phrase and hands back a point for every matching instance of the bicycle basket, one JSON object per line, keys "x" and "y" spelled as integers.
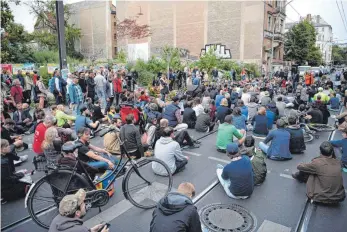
{"x": 40, "y": 163}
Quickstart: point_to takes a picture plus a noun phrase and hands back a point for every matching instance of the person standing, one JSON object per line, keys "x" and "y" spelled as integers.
{"x": 91, "y": 86}
{"x": 109, "y": 93}
{"x": 27, "y": 89}
{"x": 16, "y": 92}
{"x": 82, "y": 82}
{"x": 100, "y": 88}
{"x": 215, "y": 73}
{"x": 76, "y": 95}
{"x": 117, "y": 85}
{"x": 21, "y": 78}
{"x": 41, "y": 92}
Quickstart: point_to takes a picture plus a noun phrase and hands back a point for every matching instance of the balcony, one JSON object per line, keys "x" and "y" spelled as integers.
{"x": 277, "y": 36}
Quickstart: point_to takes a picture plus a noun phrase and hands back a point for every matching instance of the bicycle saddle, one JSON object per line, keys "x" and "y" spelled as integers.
{"x": 71, "y": 147}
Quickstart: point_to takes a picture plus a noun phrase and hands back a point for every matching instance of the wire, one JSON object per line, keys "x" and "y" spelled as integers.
{"x": 343, "y": 21}
{"x": 343, "y": 9}
{"x": 294, "y": 9}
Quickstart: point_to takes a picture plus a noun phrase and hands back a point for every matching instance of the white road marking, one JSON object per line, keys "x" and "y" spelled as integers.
{"x": 269, "y": 226}
{"x": 218, "y": 159}
{"x": 192, "y": 153}
{"x": 286, "y": 176}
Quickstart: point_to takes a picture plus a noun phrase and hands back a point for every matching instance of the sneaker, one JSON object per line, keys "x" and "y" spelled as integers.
{"x": 27, "y": 133}
{"x": 23, "y": 158}
{"x": 194, "y": 146}
{"x": 197, "y": 142}
{"x": 294, "y": 175}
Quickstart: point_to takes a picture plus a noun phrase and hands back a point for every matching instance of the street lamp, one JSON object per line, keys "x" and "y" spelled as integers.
{"x": 279, "y": 11}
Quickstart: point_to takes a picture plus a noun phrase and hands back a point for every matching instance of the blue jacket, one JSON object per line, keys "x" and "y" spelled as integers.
{"x": 72, "y": 94}
{"x": 21, "y": 79}
{"x": 196, "y": 81}
{"x": 271, "y": 116}
{"x": 219, "y": 99}
{"x": 279, "y": 148}
{"x": 239, "y": 122}
{"x": 334, "y": 103}
{"x": 244, "y": 111}
{"x": 169, "y": 114}
{"x": 51, "y": 84}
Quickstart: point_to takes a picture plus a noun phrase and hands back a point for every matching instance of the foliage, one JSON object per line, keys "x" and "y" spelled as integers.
{"x": 145, "y": 76}
{"x": 47, "y": 56}
{"x": 171, "y": 57}
{"x": 339, "y": 55}
{"x": 300, "y": 42}
{"x": 208, "y": 61}
{"x": 121, "y": 57}
{"x": 315, "y": 57}
{"x": 44, "y": 75}
{"x": 14, "y": 39}
{"x": 252, "y": 69}
{"x": 130, "y": 29}
{"x": 47, "y": 35}
{"x": 156, "y": 65}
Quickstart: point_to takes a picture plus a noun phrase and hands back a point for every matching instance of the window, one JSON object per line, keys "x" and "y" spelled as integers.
{"x": 114, "y": 24}
{"x": 115, "y": 50}
{"x": 269, "y": 23}
{"x": 114, "y": 36}
{"x": 276, "y": 4}
{"x": 281, "y": 26}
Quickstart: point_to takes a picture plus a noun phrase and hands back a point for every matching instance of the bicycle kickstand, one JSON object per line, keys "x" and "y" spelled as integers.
{"x": 99, "y": 209}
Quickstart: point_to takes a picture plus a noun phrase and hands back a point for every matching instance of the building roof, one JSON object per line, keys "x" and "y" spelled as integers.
{"x": 316, "y": 20}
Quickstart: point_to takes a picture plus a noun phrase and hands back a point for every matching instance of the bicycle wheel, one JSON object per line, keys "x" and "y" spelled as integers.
{"x": 142, "y": 187}
{"x": 321, "y": 127}
{"x": 44, "y": 198}
{"x": 308, "y": 138}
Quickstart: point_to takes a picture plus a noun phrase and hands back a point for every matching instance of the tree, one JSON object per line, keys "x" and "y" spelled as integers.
{"x": 208, "y": 61}
{"x": 14, "y": 39}
{"x": 314, "y": 57}
{"x": 339, "y": 55}
{"x": 300, "y": 42}
{"x": 130, "y": 29}
{"x": 47, "y": 35}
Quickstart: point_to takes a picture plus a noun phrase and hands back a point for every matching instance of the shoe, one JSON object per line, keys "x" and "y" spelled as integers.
{"x": 197, "y": 142}
{"x": 295, "y": 176}
{"x": 23, "y": 158}
{"x": 194, "y": 146}
{"x": 27, "y": 133}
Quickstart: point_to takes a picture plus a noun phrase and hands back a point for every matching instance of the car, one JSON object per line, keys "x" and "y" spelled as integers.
{"x": 316, "y": 71}
{"x": 303, "y": 69}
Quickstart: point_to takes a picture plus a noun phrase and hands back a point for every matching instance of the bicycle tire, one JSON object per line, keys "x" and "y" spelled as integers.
{"x": 135, "y": 199}
{"x": 308, "y": 138}
{"x": 321, "y": 127}
{"x": 78, "y": 179}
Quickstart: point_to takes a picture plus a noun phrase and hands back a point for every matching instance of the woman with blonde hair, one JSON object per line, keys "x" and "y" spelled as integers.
{"x": 51, "y": 146}
{"x": 259, "y": 123}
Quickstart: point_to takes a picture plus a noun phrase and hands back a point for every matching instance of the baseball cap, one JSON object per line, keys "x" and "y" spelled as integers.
{"x": 70, "y": 203}
{"x": 232, "y": 148}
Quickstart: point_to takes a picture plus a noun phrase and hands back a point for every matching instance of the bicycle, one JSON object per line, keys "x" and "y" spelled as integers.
{"x": 44, "y": 196}
{"x": 321, "y": 127}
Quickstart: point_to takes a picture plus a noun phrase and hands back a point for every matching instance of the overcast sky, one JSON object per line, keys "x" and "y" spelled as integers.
{"x": 327, "y": 9}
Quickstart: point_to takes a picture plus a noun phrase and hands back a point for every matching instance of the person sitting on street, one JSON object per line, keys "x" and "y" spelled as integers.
{"x": 279, "y": 148}
{"x": 63, "y": 120}
{"x": 113, "y": 113}
{"x": 176, "y": 212}
{"x": 203, "y": 122}
{"x": 143, "y": 99}
{"x": 297, "y": 141}
{"x": 86, "y": 152}
{"x": 149, "y": 138}
{"x": 172, "y": 113}
{"x": 259, "y": 122}
{"x": 239, "y": 120}
{"x": 189, "y": 115}
{"x": 11, "y": 186}
{"x": 71, "y": 211}
{"x": 316, "y": 114}
{"x": 51, "y": 146}
{"x": 323, "y": 177}
{"x": 198, "y": 108}
{"x": 281, "y": 106}
{"x": 243, "y": 107}
{"x": 83, "y": 120}
{"x": 257, "y": 159}
{"x": 16, "y": 141}
{"x": 226, "y": 133}
{"x": 111, "y": 139}
{"x": 97, "y": 114}
{"x": 252, "y": 108}
{"x": 169, "y": 151}
{"x": 39, "y": 115}
{"x": 223, "y": 110}
{"x": 23, "y": 119}
{"x": 237, "y": 176}
{"x": 334, "y": 103}
{"x": 343, "y": 144}
{"x": 131, "y": 137}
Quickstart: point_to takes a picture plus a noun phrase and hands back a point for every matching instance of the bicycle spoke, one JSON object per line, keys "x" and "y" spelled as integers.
{"x": 137, "y": 187}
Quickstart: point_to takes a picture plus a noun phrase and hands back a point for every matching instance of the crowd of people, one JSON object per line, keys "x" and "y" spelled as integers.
{"x": 242, "y": 111}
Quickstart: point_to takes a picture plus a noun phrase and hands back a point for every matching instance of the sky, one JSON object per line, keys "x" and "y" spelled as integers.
{"x": 327, "y": 9}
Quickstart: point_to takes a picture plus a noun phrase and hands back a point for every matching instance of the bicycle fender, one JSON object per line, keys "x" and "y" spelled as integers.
{"x": 27, "y": 195}
{"x": 123, "y": 185}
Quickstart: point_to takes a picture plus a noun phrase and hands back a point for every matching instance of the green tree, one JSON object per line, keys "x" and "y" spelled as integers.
{"x": 14, "y": 39}
{"x": 339, "y": 55}
{"x": 314, "y": 57}
{"x": 171, "y": 57}
{"x": 208, "y": 61}
{"x": 300, "y": 42}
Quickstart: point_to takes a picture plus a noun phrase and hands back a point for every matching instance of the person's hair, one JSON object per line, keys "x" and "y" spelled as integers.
{"x": 50, "y": 135}
{"x": 117, "y": 108}
{"x": 237, "y": 111}
{"x": 53, "y": 107}
{"x": 326, "y": 149}
{"x": 164, "y": 122}
{"x": 206, "y": 110}
{"x": 240, "y": 103}
{"x": 167, "y": 131}
{"x": 142, "y": 92}
{"x": 291, "y": 120}
{"x": 4, "y": 143}
{"x": 249, "y": 141}
{"x": 49, "y": 120}
{"x": 38, "y": 78}
{"x": 9, "y": 121}
{"x": 82, "y": 131}
{"x": 189, "y": 104}
{"x": 212, "y": 102}
{"x": 252, "y": 99}
{"x": 262, "y": 110}
{"x": 187, "y": 189}
{"x": 279, "y": 99}
{"x": 334, "y": 94}
{"x": 280, "y": 123}
{"x": 129, "y": 119}
{"x": 40, "y": 114}
{"x": 228, "y": 119}
{"x": 197, "y": 101}
{"x": 112, "y": 108}
{"x": 319, "y": 97}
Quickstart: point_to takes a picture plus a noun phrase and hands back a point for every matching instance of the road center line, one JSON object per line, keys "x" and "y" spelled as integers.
{"x": 192, "y": 153}
{"x": 286, "y": 176}
{"x": 218, "y": 159}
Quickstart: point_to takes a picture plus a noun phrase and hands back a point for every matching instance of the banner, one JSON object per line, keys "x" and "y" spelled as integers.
{"x": 27, "y": 67}
{"x": 52, "y": 67}
{"x": 7, "y": 67}
{"x": 16, "y": 67}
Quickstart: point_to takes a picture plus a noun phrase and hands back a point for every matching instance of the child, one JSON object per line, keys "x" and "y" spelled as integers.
{"x": 257, "y": 160}
{"x": 113, "y": 113}
{"x": 143, "y": 99}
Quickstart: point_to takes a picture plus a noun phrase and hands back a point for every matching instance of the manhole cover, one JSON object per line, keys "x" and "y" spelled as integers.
{"x": 229, "y": 218}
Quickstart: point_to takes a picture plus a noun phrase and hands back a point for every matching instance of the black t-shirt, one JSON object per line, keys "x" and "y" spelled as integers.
{"x": 317, "y": 116}
{"x": 6, "y": 134}
{"x": 82, "y": 152}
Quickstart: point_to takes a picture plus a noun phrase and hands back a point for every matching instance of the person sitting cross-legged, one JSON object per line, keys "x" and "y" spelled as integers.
{"x": 204, "y": 122}
{"x": 237, "y": 176}
{"x": 176, "y": 212}
{"x": 189, "y": 115}
{"x": 259, "y": 122}
{"x": 323, "y": 176}
{"x": 297, "y": 141}
{"x": 83, "y": 120}
{"x": 169, "y": 151}
{"x": 22, "y": 118}
{"x": 279, "y": 148}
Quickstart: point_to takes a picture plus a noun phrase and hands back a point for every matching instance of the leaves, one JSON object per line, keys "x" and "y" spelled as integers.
{"x": 129, "y": 29}
{"x": 339, "y": 54}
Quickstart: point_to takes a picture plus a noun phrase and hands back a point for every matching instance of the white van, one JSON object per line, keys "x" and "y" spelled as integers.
{"x": 303, "y": 69}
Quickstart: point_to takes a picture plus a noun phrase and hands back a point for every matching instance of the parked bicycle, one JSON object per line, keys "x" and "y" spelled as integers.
{"x": 140, "y": 185}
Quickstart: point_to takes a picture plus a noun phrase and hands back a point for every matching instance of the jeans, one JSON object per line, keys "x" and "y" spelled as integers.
{"x": 103, "y": 164}
{"x": 78, "y": 107}
{"x": 180, "y": 164}
{"x": 226, "y": 183}
{"x": 264, "y": 147}
{"x": 117, "y": 95}
{"x": 101, "y": 96}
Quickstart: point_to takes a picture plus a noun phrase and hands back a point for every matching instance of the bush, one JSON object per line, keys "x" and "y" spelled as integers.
{"x": 44, "y": 75}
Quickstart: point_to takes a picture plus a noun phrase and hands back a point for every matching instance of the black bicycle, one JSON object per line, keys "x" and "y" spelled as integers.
{"x": 140, "y": 185}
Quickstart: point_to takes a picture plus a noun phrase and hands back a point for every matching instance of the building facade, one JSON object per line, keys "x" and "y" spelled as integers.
{"x": 237, "y": 26}
{"x": 97, "y": 21}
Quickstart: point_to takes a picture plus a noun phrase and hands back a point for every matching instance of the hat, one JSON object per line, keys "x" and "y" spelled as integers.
{"x": 70, "y": 203}
{"x": 224, "y": 102}
{"x": 266, "y": 93}
{"x": 320, "y": 89}
{"x": 175, "y": 99}
{"x": 232, "y": 148}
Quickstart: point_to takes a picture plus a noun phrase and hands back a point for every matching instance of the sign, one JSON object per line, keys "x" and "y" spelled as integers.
{"x": 7, "y": 67}
{"x": 27, "y": 67}
{"x": 52, "y": 67}
{"x": 64, "y": 73}
{"x": 219, "y": 50}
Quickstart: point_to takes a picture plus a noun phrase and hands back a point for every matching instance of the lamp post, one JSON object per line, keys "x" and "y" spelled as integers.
{"x": 59, "y": 7}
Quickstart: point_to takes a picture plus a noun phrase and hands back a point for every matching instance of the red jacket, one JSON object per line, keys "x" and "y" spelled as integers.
{"x": 39, "y": 136}
{"x": 17, "y": 94}
{"x": 117, "y": 85}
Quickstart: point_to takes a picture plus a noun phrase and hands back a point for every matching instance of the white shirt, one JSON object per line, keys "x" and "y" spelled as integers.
{"x": 57, "y": 86}
{"x": 246, "y": 97}
{"x": 199, "y": 109}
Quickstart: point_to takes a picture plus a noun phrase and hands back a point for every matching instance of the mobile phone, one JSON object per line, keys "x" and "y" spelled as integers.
{"x": 103, "y": 225}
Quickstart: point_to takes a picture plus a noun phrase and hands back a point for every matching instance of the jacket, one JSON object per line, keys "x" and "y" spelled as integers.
{"x": 28, "y": 83}
{"x": 252, "y": 110}
{"x": 169, "y": 114}
{"x": 281, "y": 106}
{"x": 66, "y": 224}
{"x": 130, "y": 135}
{"x": 63, "y": 118}
{"x": 279, "y": 148}
{"x": 25, "y": 115}
{"x": 222, "y": 111}
{"x": 17, "y": 93}
{"x": 203, "y": 122}
{"x": 325, "y": 183}
{"x": 90, "y": 85}
{"x": 265, "y": 100}
{"x": 189, "y": 117}
{"x": 167, "y": 150}
{"x": 111, "y": 142}
{"x": 309, "y": 79}
{"x": 175, "y": 212}
{"x": 297, "y": 142}
{"x": 21, "y": 79}
{"x": 117, "y": 85}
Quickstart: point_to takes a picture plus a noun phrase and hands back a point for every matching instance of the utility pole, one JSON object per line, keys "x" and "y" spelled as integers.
{"x": 59, "y": 7}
